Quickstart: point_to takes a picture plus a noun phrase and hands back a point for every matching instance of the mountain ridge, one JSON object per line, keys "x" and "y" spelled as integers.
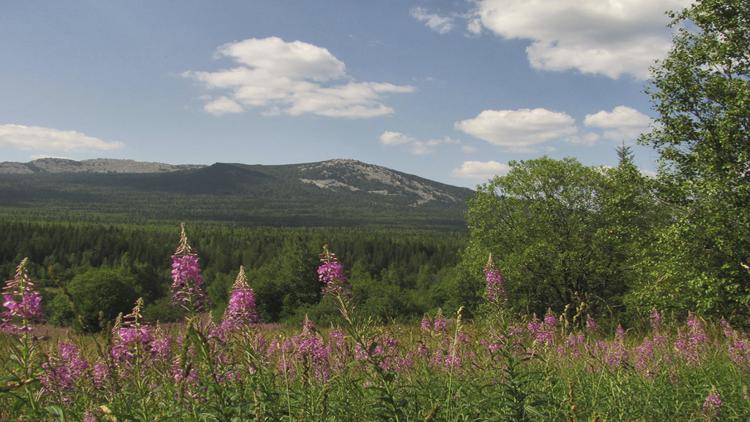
{"x": 337, "y": 191}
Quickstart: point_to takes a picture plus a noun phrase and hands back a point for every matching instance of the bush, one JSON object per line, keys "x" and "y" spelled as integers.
{"x": 99, "y": 295}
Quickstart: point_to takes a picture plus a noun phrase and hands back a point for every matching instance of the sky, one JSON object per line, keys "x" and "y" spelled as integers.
{"x": 449, "y": 90}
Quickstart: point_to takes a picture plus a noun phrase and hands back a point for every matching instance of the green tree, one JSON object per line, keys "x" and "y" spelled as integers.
{"x": 99, "y": 294}
{"x": 701, "y": 92}
{"x": 563, "y": 234}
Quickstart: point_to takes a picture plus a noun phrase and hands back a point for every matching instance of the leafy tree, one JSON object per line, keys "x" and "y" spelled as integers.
{"x": 100, "y": 294}
{"x": 563, "y": 233}
{"x": 701, "y": 92}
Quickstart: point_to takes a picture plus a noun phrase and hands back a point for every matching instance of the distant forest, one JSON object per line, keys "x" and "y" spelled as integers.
{"x": 396, "y": 274}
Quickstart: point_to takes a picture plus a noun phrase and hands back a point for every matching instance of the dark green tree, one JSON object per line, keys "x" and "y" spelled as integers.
{"x": 99, "y": 294}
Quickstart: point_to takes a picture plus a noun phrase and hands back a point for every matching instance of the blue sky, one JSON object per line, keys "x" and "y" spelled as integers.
{"x": 449, "y": 90}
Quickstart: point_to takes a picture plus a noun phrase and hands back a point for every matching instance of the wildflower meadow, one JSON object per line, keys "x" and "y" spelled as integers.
{"x": 496, "y": 366}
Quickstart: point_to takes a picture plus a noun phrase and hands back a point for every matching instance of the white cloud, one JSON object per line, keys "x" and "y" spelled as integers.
{"x": 437, "y": 23}
{"x": 519, "y": 130}
{"x": 222, "y": 105}
{"x": 416, "y": 146}
{"x": 611, "y": 38}
{"x": 621, "y": 124}
{"x": 395, "y": 138}
{"x": 30, "y": 138}
{"x": 291, "y": 78}
{"x": 480, "y": 170}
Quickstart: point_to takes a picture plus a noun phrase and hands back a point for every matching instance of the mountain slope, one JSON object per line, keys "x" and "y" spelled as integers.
{"x": 334, "y": 192}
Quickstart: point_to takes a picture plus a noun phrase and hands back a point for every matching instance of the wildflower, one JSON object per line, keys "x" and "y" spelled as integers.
{"x": 23, "y": 304}
{"x": 440, "y": 324}
{"x": 61, "y": 372}
{"x": 311, "y": 350}
{"x": 712, "y": 404}
{"x": 495, "y": 288}
{"x": 133, "y": 338}
{"x": 187, "y": 281}
{"x": 100, "y": 373}
{"x": 737, "y": 344}
{"x": 655, "y": 320}
{"x": 425, "y": 325}
{"x": 591, "y": 325}
{"x": 161, "y": 346}
{"x": 543, "y": 331}
{"x": 331, "y": 273}
{"x": 241, "y": 308}
{"x": 691, "y": 343}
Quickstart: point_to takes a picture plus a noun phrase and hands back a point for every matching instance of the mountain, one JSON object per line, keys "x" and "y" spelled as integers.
{"x": 99, "y": 165}
{"x": 334, "y": 192}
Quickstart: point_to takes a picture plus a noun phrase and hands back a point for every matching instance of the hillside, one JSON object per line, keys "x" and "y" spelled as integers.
{"x": 334, "y": 192}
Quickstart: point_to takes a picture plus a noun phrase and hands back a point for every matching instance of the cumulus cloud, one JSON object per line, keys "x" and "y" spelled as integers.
{"x": 437, "y": 23}
{"x": 621, "y": 124}
{"x": 519, "y": 130}
{"x": 30, "y": 138}
{"x": 610, "y": 38}
{"x": 291, "y": 78}
{"x": 415, "y": 146}
{"x": 480, "y": 170}
{"x": 222, "y": 105}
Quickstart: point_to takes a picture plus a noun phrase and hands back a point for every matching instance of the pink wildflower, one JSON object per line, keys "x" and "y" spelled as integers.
{"x": 495, "y": 283}
{"x": 241, "y": 310}
{"x": 22, "y": 303}
{"x": 331, "y": 273}
{"x": 187, "y": 281}
{"x": 712, "y": 404}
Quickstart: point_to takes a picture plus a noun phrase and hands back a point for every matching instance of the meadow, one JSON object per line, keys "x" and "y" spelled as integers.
{"x": 498, "y": 366}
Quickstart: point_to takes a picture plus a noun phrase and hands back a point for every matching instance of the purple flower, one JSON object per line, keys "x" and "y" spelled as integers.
{"x": 439, "y": 323}
{"x": 241, "y": 310}
{"x": 712, "y": 404}
{"x": 133, "y": 339}
{"x": 591, "y": 325}
{"x": 331, "y": 273}
{"x": 549, "y": 319}
{"x": 61, "y": 372}
{"x": 100, "y": 373}
{"x": 22, "y": 303}
{"x": 425, "y": 325}
{"x": 187, "y": 281}
{"x": 655, "y": 320}
{"x": 495, "y": 283}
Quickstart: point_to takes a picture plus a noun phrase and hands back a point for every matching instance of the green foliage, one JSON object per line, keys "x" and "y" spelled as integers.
{"x": 409, "y": 265}
{"x": 562, "y": 233}
{"x": 701, "y": 92}
{"x": 100, "y": 294}
{"x": 59, "y": 310}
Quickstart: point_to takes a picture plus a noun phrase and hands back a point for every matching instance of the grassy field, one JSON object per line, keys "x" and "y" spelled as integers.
{"x": 496, "y": 368}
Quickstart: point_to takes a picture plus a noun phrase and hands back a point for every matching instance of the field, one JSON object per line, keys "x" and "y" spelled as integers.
{"x": 500, "y": 366}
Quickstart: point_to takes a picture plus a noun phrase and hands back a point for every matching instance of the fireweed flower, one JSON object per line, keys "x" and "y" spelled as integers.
{"x": 22, "y": 303}
{"x": 591, "y": 325}
{"x": 132, "y": 338}
{"x": 655, "y": 320}
{"x": 691, "y": 343}
{"x": 495, "y": 288}
{"x": 100, "y": 373}
{"x": 712, "y": 404}
{"x": 241, "y": 310}
{"x": 187, "y": 281}
{"x": 61, "y": 372}
{"x": 737, "y": 344}
{"x": 331, "y": 273}
{"x": 425, "y": 325}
